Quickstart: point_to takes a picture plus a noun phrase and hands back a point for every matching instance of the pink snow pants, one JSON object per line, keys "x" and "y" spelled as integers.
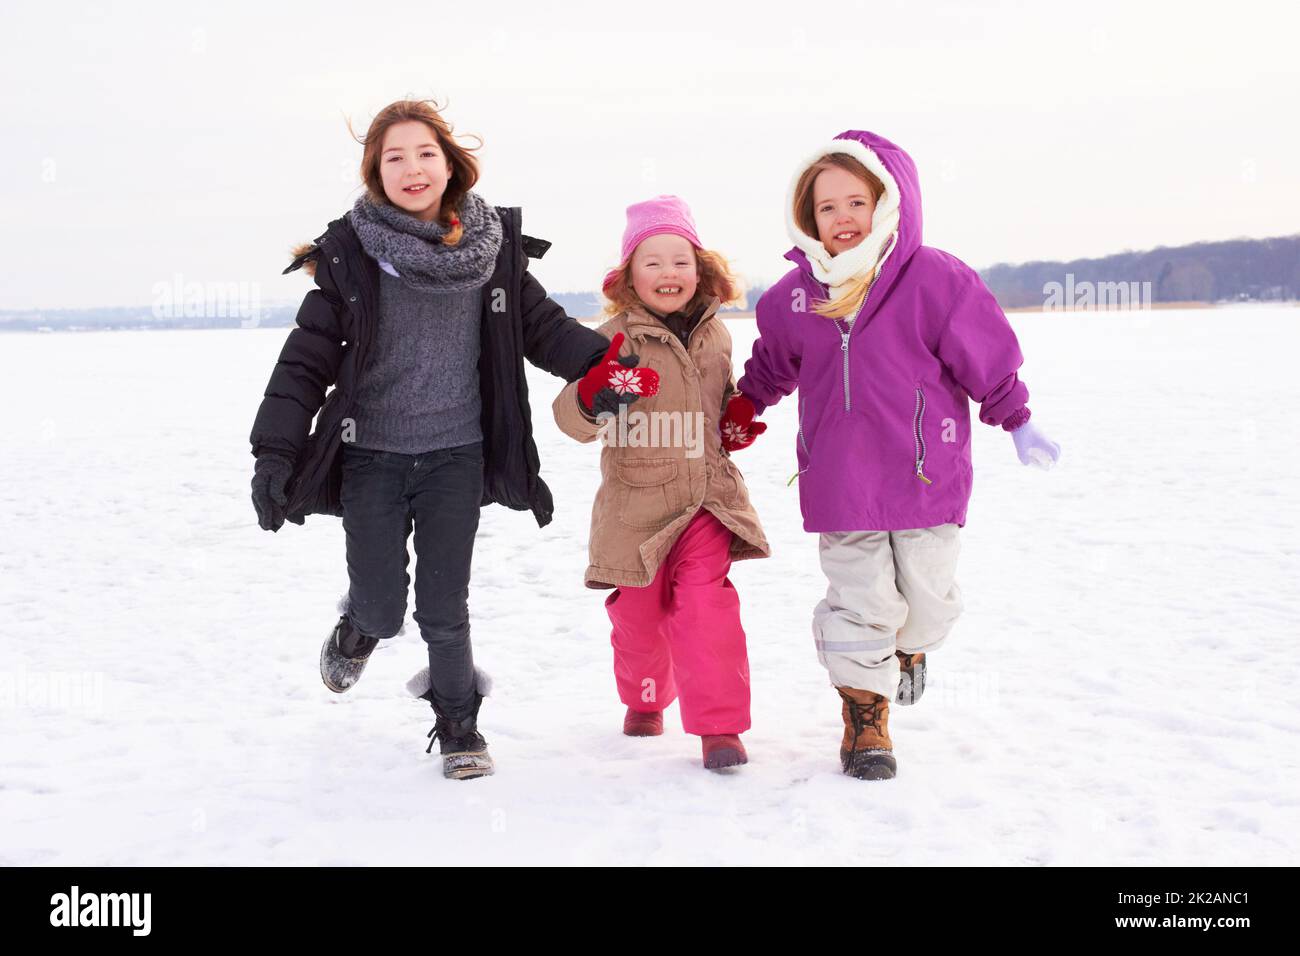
{"x": 681, "y": 635}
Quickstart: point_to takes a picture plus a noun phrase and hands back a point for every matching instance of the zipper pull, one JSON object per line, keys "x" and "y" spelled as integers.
{"x": 922, "y": 476}
{"x": 844, "y": 341}
{"x": 794, "y": 476}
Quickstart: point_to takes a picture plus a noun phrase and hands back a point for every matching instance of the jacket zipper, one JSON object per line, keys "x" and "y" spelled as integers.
{"x": 844, "y": 331}
{"x": 844, "y": 347}
{"x": 918, "y": 437}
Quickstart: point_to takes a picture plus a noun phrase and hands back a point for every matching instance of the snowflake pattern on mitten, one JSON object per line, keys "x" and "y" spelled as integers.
{"x": 738, "y": 426}
{"x": 628, "y": 380}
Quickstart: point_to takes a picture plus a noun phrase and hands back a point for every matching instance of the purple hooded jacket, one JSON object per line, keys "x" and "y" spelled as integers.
{"x": 884, "y": 415}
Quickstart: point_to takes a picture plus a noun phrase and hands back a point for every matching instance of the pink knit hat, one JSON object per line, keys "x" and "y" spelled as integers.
{"x": 663, "y": 214}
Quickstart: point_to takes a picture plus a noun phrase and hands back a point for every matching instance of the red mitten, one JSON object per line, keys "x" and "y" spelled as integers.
{"x": 738, "y": 426}
{"x": 616, "y": 381}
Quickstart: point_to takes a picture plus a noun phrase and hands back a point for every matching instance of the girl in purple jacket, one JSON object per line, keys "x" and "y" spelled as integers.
{"x": 886, "y": 340}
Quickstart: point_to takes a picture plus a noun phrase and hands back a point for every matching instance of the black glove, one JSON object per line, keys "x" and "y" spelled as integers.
{"x": 270, "y": 475}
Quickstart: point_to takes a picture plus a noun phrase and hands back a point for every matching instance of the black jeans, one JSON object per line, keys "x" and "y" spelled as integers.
{"x": 439, "y": 493}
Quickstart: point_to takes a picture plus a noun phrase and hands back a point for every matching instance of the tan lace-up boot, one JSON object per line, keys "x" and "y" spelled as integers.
{"x": 866, "y": 751}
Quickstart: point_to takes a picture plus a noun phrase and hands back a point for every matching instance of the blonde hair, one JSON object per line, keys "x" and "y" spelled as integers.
{"x": 715, "y": 275}
{"x": 849, "y": 301}
{"x": 464, "y": 167}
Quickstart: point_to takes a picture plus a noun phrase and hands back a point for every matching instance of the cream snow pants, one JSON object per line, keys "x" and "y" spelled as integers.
{"x": 887, "y": 590}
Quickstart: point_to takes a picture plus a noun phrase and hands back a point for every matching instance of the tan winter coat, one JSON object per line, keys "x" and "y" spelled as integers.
{"x": 649, "y": 494}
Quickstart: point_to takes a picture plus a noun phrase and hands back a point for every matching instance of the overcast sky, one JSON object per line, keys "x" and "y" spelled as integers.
{"x": 148, "y": 140}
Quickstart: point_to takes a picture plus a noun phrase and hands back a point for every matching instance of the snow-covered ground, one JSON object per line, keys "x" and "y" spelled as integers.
{"x": 1120, "y": 690}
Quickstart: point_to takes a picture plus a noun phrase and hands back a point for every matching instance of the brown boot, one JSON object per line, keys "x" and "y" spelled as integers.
{"x": 723, "y": 750}
{"x": 866, "y": 752}
{"x": 643, "y": 723}
{"x": 911, "y": 677}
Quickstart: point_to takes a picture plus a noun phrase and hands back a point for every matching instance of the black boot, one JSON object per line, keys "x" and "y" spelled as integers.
{"x": 911, "y": 677}
{"x": 343, "y": 656}
{"x": 464, "y": 751}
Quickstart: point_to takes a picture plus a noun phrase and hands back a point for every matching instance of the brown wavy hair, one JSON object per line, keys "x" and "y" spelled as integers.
{"x": 715, "y": 278}
{"x": 464, "y": 166}
{"x": 805, "y": 216}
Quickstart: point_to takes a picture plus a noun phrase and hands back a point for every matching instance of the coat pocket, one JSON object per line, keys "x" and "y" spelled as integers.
{"x": 918, "y": 434}
{"x": 803, "y": 456}
{"x": 648, "y": 494}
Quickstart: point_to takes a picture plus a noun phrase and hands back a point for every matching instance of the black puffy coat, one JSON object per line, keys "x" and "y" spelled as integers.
{"x": 335, "y": 328}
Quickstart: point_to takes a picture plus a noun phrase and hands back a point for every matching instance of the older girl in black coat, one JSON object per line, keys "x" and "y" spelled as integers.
{"x": 423, "y": 314}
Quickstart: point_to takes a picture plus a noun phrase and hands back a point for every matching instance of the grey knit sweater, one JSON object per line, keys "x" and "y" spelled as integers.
{"x": 420, "y": 389}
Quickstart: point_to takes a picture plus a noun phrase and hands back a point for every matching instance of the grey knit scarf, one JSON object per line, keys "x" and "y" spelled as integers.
{"x": 415, "y": 249}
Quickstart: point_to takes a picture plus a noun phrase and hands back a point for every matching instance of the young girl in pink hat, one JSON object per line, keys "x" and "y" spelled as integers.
{"x": 672, "y": 511}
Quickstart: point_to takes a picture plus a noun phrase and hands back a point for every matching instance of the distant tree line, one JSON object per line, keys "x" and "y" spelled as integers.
{"x": 1238, "y": 270}
{"x": 583, "y": 305}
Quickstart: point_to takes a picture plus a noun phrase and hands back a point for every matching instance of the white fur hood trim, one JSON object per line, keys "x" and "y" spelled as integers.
{"x": 835, "y": 271}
